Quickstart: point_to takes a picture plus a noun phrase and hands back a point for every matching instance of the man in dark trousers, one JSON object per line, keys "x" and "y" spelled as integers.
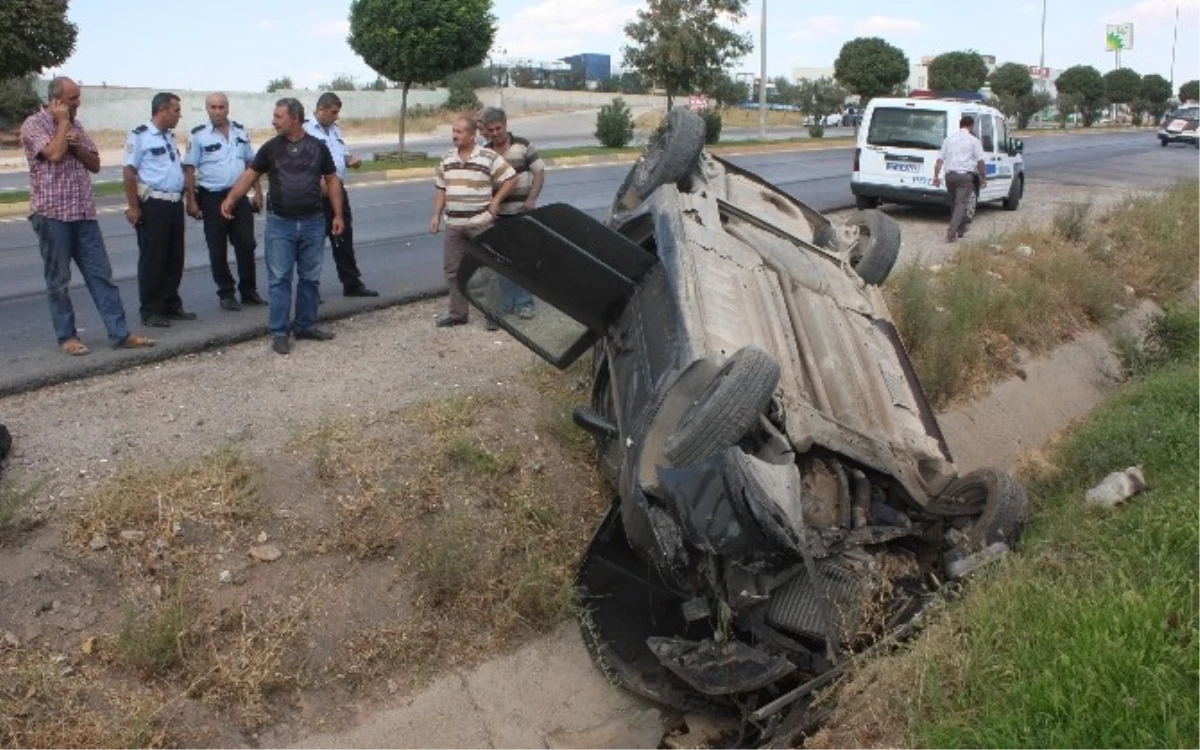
{"x": 217, "y": 155}
{"x": 296, "y": 164}
{"x": 153, "y": 178}
{"x": 962, "y": 156}
{"x": 324, "y": 127}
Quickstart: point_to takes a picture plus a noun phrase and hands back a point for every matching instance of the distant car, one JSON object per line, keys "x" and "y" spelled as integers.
{"x": 1180, "y": 126}
{"x": 783, "y": 497}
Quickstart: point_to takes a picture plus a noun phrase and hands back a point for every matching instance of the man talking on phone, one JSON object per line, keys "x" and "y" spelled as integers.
{"x": 62, "y": 204}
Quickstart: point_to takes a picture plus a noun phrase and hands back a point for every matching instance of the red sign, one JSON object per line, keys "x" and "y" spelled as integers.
{"x": 697, "y": 102}
{"x": 1037, "y": 72}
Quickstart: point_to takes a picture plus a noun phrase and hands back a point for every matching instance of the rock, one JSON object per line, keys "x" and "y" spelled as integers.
{"x": 262, "y": 537}
{"x": 1024, "y": 251}
{"x": 225, "y": 577}
{"x": 11, "y": 640}
{"x": 995, "y": 249}
{"x": 266, "y": 552}
{"x": 133, "y": 535}
{"x": 639, "y": 729}
{"x": 935, "y": 268}
{"x": 1117, "y": 488}
{"x": 98, "y": 543}
{"x": 88, "y": 647}
{"x": 1130, "y": 290}
{"x": 965, "y": 566}
{"x": 392, "y": 687}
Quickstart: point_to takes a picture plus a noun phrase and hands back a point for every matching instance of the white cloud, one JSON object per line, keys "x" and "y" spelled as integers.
{"x": 267, "y": 24}
{"x": 1156, "y": 11}
{"x": 815, "y": 27}
{"x": 886, "y": 25}
{"x": 554, "y": 28}
{"x": 330, "y": 28}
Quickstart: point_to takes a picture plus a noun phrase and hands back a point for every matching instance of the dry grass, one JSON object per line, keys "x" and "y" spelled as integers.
{"x": 969, "y": 324}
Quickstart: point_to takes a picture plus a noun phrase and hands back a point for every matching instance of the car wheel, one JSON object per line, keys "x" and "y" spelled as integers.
{"x": 878, "y": 246}
{"x": 1015, "y": 191}
{"x": 669, "y": 157}
{"x": 726, "y": 409}
{"x": 996, "y": 497}
{"x": 972, "y": 203}
{"x": 862, "y": 202}
{"x": 1162, "y": 142}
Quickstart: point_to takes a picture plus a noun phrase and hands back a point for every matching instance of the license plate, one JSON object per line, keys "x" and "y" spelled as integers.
{"x": 901, "y": 166}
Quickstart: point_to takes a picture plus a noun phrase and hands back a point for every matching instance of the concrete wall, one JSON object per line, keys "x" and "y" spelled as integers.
{"x": 106, "y": 108}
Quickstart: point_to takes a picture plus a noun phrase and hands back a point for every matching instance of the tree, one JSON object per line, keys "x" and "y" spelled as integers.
{"x": 957, "y": 71}
{"x": 18, "y": 99}
{"x": 34, "y": 34}
{"x": 614, "y": 124}
{"x": 684, "y": 45}
{"x": 818, "y": 98}
{"x": 1011, "y": 79}
{"x": 379, "y": 84}
{"x": 340, "y": 82}
{"x": 1190, "y": 91}
{"x": 632, "y": 83}
{"x": 1154, "y": 93}
{"x": 727, "y": 92}
{"x": 1122, "y": 86}
{"x": 1084, "y": 86}
{"x": 280, "y": 84}
{"x": 870, "y": 67}
{"x": 410, "y": 41}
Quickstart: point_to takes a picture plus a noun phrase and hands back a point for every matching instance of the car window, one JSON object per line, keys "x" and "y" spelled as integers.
{"x": 1001, "y": 133}
{"x": 551, "y": 333}
{"x": 905, "y": 127}
{"x": 987, "y": 133}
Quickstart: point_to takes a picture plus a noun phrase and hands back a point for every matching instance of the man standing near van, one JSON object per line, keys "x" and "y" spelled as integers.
{"x": 962, "y": 156}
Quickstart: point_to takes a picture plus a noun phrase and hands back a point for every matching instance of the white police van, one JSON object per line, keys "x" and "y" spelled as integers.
{"x": 898, "y": 144}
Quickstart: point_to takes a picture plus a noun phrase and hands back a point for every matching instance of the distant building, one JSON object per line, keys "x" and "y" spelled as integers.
{"x": 593, "y": 67}
{"x": 811, "y": 74}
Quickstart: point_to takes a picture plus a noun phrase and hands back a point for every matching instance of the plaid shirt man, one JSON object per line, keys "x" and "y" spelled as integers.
{"x": 60, "y": 191}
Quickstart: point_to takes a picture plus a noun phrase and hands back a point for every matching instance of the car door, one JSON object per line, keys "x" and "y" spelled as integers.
{"x": 998, "y": 174}
{"x": 580, "y": 272}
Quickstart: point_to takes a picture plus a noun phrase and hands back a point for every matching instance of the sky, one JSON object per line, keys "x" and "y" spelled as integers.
{"x": 171, "y": 46}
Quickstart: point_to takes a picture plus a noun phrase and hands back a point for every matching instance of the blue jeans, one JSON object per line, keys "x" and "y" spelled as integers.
{"x": 293, "y": 243}
{"x": 62, "y": 242}
{"x": 513, "y": 297}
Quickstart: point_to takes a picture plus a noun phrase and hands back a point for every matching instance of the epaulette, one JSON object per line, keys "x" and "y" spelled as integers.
{"x": 236, "y": 124}
{"x": 141, "y": 128}
{"x": 197, "y": 129}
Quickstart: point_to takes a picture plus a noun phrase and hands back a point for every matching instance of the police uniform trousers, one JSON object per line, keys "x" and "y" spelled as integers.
{"x": 343, "y": 246}
{"x": 160, "y": 256}
{"x": 219, "y": 232}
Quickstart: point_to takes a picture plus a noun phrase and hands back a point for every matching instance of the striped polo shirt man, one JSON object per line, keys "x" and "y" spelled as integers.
{"x": 526, "y": 162}
{"x": 469, "y": 183}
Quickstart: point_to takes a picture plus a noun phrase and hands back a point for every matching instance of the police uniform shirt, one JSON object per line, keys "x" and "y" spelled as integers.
{"x": 152, "y": 152}
{"x": 332, "y": 138}
{"x": 219, "y": 161}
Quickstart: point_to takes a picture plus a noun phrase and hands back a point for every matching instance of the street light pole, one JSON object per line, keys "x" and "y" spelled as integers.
{"x": 1042, "y": 59}
{"x": 1174, "y": 41}
{"x": 762, "y": 77}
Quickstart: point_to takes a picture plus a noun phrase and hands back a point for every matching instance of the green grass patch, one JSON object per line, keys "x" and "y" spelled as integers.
{"x": 468, "y": 456}
{"x": 103, "y": 189}
{"x": 1088, "y": 638}
{"x": 151, "y": 641}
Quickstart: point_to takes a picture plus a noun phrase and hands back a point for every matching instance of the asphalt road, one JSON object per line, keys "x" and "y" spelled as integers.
{"x": 401, "y": 260}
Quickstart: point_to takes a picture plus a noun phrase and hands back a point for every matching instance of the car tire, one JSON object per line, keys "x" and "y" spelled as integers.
{"x": 878, "y": 246}
{"x": 1015, "y": 192}
{"x": 862, "y": 202}
{"x": 726, "y": 409}
{"x": 671, "y": 154}
{"x": 1162, "y": 142}
{"x": 1003, "y": 504}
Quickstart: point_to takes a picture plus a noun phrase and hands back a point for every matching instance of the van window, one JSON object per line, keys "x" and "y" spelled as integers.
{"x": 907, "y": 128}
{"x": 987, "y": 134}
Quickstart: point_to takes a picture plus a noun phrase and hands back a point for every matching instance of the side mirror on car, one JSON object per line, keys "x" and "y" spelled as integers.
{"x": 1018, "y": 145}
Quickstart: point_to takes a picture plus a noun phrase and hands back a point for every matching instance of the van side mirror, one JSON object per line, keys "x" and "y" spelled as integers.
{"x": 1018, "y": 146}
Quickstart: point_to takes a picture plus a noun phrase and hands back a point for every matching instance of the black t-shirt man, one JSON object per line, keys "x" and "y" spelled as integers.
{"x": 294, "y": 172}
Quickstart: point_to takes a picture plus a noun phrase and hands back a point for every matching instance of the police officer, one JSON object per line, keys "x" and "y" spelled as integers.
{"x": 324, "y": 127}
{"x": 153, "y": 178}
{"x": 217, "y": 155}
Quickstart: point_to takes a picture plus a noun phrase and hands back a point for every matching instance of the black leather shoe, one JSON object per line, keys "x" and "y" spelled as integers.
{"x": 360, "y": 291}
{"x": 180, "y": 315}
{"x": 154, "y": 320}
{"x": 446, "y": 321}
{"x": 253, "y": 299}
{"x": 281, "y": 345}
{"x": 316, "y": 334}
{"x": 491, "y": 325}
{"x": 230, "y": 304}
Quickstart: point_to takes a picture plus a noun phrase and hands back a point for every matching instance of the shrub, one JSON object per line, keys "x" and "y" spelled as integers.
{"x": 712, "y": 126}
{"x": 614, "y": 124}
{"x": 462, "y": 96}
{"x": 1071, "y": 221}
{"x": 816, "y": 130}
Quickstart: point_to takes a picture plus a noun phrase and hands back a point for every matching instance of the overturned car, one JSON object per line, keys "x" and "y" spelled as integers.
{"x": 784, "y": 497}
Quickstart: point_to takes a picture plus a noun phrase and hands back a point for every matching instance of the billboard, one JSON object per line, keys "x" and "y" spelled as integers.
{"x": 1118, "y": 37}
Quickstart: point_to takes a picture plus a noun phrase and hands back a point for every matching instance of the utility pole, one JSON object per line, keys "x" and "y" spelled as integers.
{"x": 1173, "y": 43}
{"x": 762, "y": 77}
{"x": 1042, "y": 58}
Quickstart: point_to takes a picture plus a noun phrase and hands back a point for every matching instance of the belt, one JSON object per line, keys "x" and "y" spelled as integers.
{"x": 145, "y": 191}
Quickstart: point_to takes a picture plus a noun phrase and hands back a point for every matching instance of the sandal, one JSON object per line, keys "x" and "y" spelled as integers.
{"x": 74, "y": 347}
{"x": 134, "y": 341}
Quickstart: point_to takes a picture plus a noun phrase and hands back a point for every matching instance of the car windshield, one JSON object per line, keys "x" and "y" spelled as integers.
{"x": 903, "y": 127}
{"x": 1186, "y": 113}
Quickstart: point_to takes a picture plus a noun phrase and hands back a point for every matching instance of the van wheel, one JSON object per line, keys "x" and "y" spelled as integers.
{"x": 726, "y": 409}
{"x": 878, "y": 246}
{"x": 669, "y": 157}
{"x": 996, "y": 502}
{"x": 1015, "y": 192}
{"x": 1162, "y": 142}
{"x": 862, "y": 202}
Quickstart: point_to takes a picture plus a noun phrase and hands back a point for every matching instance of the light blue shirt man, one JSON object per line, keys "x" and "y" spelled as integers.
{"x": 153, "y": 153}
{"x": 219, "y": 161}
{"x": 332, "y": 137}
